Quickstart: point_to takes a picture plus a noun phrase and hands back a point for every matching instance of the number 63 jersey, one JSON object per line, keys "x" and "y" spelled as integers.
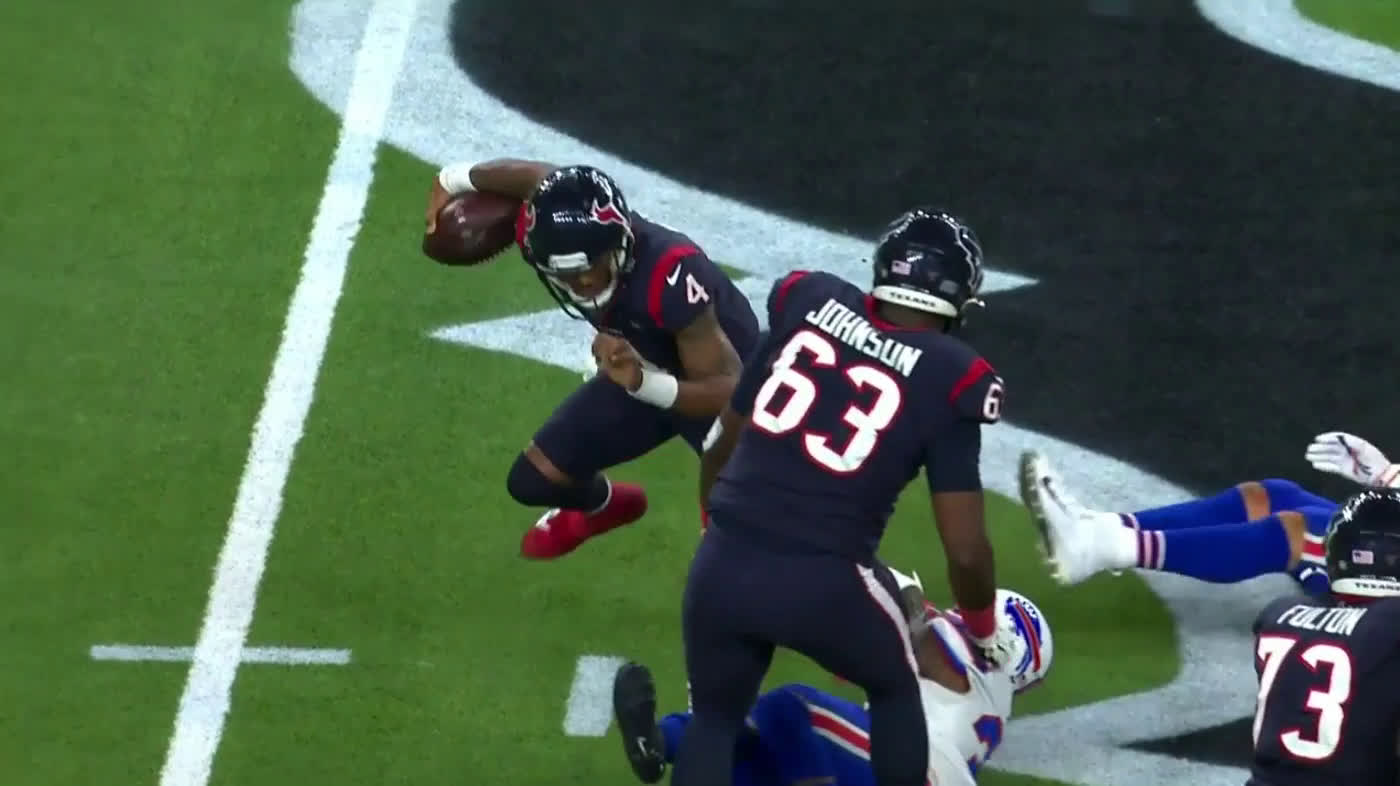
{"x": 1329, "y": 693}
{"x": 845, "y": 409}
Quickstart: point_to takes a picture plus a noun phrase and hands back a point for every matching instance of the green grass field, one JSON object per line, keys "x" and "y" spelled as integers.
{"x": 162, "y": 168}
{"x": 1373, "y": 20}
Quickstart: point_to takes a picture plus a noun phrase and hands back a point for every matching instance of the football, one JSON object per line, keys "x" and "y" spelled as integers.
{"x": 473, "y": 227}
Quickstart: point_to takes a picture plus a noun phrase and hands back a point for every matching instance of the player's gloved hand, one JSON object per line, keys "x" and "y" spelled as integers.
{"x": 1001, "y": 646}
{"x": 1352, "y": 457}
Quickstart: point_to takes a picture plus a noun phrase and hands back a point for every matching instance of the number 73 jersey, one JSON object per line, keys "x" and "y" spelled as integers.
{"x": 845, "y": 409}
{"x": 1328, "y": 710}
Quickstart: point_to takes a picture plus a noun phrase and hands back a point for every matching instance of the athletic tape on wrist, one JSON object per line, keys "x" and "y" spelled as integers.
{"x": 456, "y": 178}
{"x": 658, "y": 389}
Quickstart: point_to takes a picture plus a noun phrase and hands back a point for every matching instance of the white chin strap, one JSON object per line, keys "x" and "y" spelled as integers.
{"x": 596, "y": 301}
{"x": 579, "y": 262}
{"x": 1367, "y": 588}
{"x": 920, "y": 301}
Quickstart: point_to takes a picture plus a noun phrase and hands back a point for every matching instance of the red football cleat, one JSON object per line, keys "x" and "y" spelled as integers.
{"x": 626, "y": 504}
{"x": 559, "y": 532}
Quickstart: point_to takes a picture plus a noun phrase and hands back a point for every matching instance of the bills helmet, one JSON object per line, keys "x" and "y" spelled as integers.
{"x": 1363, "y": 545}
{"x": 1036, "y": 648}
{"x": 576, "y": 232}
{"x": 929, "y": 260}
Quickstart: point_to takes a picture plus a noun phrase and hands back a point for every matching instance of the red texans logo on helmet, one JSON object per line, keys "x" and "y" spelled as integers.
{"x": 607, "y": 214}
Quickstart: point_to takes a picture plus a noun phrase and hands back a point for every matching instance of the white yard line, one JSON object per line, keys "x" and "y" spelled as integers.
{"x": 199, "y": 721}
{"x": 288, "y": 656}
{"x": 588, "y": 712}
{"x": 1278, "y": 26}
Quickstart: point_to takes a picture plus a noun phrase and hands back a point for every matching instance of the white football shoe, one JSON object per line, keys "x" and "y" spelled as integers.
{"x": 1078, "y": 541}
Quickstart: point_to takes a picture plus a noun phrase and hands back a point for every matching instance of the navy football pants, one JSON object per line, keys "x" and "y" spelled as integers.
{"x": 600, "y": 426}
{"x": 743, "y": 599}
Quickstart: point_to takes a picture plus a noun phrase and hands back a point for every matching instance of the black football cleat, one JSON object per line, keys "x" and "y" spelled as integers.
{"x": 634, "y": 707}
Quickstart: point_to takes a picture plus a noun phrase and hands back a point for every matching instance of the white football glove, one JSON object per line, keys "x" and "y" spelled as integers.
{"x": 1002, "y": 646}
{"x": 1352, "y": 457}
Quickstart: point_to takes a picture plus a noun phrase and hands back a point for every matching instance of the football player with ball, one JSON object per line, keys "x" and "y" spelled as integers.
{"x": 671, "y": 331}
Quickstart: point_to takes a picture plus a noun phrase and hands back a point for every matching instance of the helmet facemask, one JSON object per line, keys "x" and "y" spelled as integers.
{"x": 574, "y": 229}
{"x": 562, "y": 273}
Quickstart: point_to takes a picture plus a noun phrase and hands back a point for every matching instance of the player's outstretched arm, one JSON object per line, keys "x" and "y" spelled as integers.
{"x": 711, "y": 367}
{"x": 953, "y": 466}
{"x": 971, "y": 562}
{"x": 953, "y": 470}
{"x": 510, "y": 177}
{"x": 505, "y": 176}
{"x": 1354, "y": 458}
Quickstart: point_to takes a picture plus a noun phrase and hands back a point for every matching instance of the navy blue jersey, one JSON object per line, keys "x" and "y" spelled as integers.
{"x": 671, "y": 284}
{"x": 844, "y": 410}
{"x": 1328, "y": 712}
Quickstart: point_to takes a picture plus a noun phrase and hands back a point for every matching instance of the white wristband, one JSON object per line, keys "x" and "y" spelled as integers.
{"x": 456, "y": 178}
{"x": 658, "y": 389}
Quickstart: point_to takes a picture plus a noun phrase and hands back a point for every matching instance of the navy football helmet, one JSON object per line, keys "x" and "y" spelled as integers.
{"x": 576, "y": 232}
{"x": 930, "y": 261}
{"x": 1363, "y": 545}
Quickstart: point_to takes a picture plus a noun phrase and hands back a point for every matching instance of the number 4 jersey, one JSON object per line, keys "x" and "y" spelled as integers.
{"x": 1329, "y": 693}
{"x": 844, "y": 410}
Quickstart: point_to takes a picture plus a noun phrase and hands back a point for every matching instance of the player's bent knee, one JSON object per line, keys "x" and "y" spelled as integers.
{"x": 528, "y": 486}
{"x": 1283, "y": 494}
{"x": 546, "y": 466}
{"x": 1295, "y": 525}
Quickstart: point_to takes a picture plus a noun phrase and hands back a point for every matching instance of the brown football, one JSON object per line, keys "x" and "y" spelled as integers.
{"x": 472, "y": 227}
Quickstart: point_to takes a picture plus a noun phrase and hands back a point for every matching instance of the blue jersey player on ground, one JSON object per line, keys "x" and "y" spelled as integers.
{"x": 1249, "y": 530}
{"x": 798, "y": 734}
